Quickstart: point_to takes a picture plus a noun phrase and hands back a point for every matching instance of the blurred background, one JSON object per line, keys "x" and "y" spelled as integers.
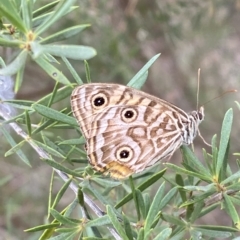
{"x": 189, "y": 35}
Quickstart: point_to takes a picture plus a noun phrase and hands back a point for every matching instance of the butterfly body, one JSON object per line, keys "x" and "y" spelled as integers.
{"x": 127, "y": 130}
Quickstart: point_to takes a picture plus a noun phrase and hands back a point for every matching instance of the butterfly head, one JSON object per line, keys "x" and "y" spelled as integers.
{"x": 198, "y": 116}
{"x": 191, "y": 130}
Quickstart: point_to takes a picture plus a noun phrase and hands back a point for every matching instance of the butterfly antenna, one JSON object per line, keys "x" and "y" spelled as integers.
{"x": 199, "y": 133}
{"x": 229, "y": 91}
{"x": 198, "y": 86}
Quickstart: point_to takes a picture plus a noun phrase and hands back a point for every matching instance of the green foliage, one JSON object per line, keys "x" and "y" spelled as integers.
{"x": 161, "y": 204}
{"x": 24, "y": 33}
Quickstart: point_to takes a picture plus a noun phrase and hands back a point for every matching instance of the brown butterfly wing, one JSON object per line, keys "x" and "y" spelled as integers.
{"x": 126, "y": 130}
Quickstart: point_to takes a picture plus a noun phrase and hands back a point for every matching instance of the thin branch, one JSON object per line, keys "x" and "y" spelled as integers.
{"x": 43, "y": 154}
{"x": 212, "y": 200}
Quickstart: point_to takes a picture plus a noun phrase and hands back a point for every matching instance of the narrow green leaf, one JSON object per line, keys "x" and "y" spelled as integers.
{"x": 50, "y": 195}
{"x": 87, "y": 71}
{"x": 47, "y": 233}
{"x": 19, "y": 105}
{"x": 197, "y": 211}
{"x": 167, "y": 198}
{"x": 2, "y": 63}
{"x": 141, "y": 234}
{"x": 237, "y": 104}
{"x": 142, "y": 187}
{"x": 61, "y": 94}
{"x": 138, "y": 83}
{"x": 53, "y": 72}
{"x": 154, "y": 208}
{"x": 141, "y": 203}
{"x": 16, "y": 118}
{"x": 208, "y": 209}
{"x": 173, "y": 220}
{"x": 67, "y": 230}
{"x": 52, "y": 145}
{"x": 107, "y": 183}
{"x": 115, "y": 222}
{"x": 42, "y": 227}
{"x": 137, "y": 207}
{"x": 184, "y": 171}
{"x": 180, "y": 182}
{"x": 61, "y": 9}
{"x": 156, "y": 221}
{"x": 15, "y": 65}
{"x": 61, "y": 193}
{"x": 55, "y": 115}
{"x": 62, "y": 168}
{"x": 64, "y": 149}
{"x": 149, "y": 182}
{"x": 24, "y": 103}
{"x": 139, "y": 79}
{"x": 200, "y": 188}
{"x": 238, "y": 163}
{"x": 53, "y": 94}
{"x": 8, "y": 11}
{"x": 148, "y": 234}
{"x": 27, "y": 13}
{"x": 64, "y": 34}
{"x": 71, "y": 207}
{"x": 234, "y": 187}
{"x": 72, "y": 71}
{"x": 164, "y": 234}
{"x": 95, "y": 238}
{"x": 80, "y": 197}
{"x": 65, "y": 236}
{"x": 76, "y": 52}
{"x": 28, "y": 123}
{"x": 19, "y": 78}
{"x": 10, "y": 43}
{"x": 231, "y": 210}
{"x": 232, "y": 178}
{"x": 225, "y": 169}
{"x": 62, "y": 219}
{"x": 191, "y": 160}
{"x": 179, "y": 233}
{"x": 127, "y": 227}
{"x": 45, "y": 125}
{"x": 15, "y": 148}
{"x": 37, "y": 21}
{"x": 189, "y": 212}
{"x": 225, "y": 134}
{"x": 147, "y": 202}
{"x": 96, "y": 193}
{"x": 198, "y": 198}
{"x": 93, "y": 231}
{"x": 214, "y": 152}
{"x": 213, "y": 233}
{"x": 77, "y": 141}
{"x": 208, "y": 160}
{"x": 61, "y": 126}
{"x": 100, "y": 221}
{"x": 195, "y": 234}
{"x": 45, "y": 8}
{"x": 50, "y": 150}
{"x": 217, "y": 228}
{"x": 50, "y": 58}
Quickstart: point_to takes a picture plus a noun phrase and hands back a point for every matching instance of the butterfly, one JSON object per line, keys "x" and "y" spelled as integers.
{"x": 128, "y": 130}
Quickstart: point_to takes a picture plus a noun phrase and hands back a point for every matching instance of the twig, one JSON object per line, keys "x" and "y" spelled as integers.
{"x": 43, "y": 154}
{"x": 212, "y": 200}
